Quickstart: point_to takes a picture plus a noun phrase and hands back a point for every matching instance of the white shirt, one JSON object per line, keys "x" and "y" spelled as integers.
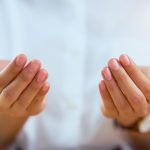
{"x": 74, "y": 39}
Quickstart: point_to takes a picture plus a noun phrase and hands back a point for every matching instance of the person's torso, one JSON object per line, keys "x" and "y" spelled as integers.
{"x": 74, "y": 40}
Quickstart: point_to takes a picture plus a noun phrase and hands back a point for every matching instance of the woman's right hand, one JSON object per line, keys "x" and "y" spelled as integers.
{"x": 23, "y": 88}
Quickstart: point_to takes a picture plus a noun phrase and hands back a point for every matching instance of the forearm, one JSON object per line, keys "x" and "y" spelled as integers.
{"x": 9, "y": 128}
{"x": 30, "y": 86}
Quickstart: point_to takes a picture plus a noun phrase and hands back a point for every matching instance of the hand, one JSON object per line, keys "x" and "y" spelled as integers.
{"x": 23, "y": 88}
{"x": 125, "y": 91}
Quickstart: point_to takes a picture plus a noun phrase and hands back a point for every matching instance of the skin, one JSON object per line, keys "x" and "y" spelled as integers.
{"x": 23, "y": 88}
{"x": 125, "y": 91}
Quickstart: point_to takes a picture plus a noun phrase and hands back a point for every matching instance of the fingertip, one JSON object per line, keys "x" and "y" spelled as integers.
{"x": 46, "y": 87}
{"x": 122, "y": 55}
{"x": 36, "y": 62}
{"x": 110, "y": 61}
{"x": 23, "y": 56}
{"x": 42, "y": 75}
{"x": 106, "y": 73}
{"x": 45, "y": 72}
{"x": 21, "y": 60}
{"x": 113, "y": 64}
{"x": 124, "y": 59}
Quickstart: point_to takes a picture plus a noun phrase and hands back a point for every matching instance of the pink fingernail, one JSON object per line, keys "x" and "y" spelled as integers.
{"x": 113, "y": 64}
{"x": 107, "y": 74}
{"x": 20, "y": 60}
{"x": 125, "y": 60}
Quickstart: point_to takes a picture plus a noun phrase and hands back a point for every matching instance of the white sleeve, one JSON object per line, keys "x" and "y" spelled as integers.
{"x": 6, "y": 54}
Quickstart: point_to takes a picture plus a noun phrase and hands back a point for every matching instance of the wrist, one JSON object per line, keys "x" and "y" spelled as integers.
{"x": 129, "y": 122}
{"x": 142, "y": 125}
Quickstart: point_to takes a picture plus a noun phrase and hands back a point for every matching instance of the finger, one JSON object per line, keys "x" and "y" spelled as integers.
{"x": 3, "y": 64}
{"x": 38, "y": 104}
{"x": 145, "y": 70}
{"x": 12, "y": 70}
{"x": 109, "y": 109}
{"x": 130, "y": 90}
{"x": 11, "y": 93}
{"x": 136, "y": 75}
{"x": 118, "y": 98}
{"x": 30, "y": 92}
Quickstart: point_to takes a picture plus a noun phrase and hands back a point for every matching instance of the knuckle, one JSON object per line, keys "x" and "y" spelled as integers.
{"x": 138, "y": 98}
{"x": 22, "y": 103}
{"x": 25, "y": 77}
{"x": 122, "y": 103}
{"x": 121, "y": 76}
{"x": 147, "y": 90}
{"x": 34, "y": 86}
{"x": 8, "y": 94}
{"x": 13, "y": 70}
{"x": 132, "y": 71}
{"x": 111, "y": 87}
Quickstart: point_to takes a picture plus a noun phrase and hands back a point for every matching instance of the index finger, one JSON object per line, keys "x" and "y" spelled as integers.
{"x": 12, "y": 70}
{"x": 136, "y": 75}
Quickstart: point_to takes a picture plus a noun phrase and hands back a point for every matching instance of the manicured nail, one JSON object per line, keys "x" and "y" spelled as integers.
{"x": 113, "y": 64}
{"x": 107, "y": 74}
{"x": 20, "y": 60}
{"x": 33, "y": 66}
{"x": 125, "y": 60}
{"x": 42, "y": 76}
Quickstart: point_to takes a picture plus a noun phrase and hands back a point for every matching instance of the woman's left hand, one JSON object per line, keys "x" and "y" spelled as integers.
{"x": 125, "y": 91}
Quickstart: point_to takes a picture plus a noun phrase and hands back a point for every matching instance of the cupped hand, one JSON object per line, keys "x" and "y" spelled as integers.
{"x": 23, "y": 87}
{"x": 125, "y": 90}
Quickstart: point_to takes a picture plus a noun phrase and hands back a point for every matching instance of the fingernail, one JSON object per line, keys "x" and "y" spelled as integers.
{"x": 107, "y": 74}
{"x": 42, "y": 76}
{"x": 113, "y": 64}
{"x": 125, "y": 60}
{"x": 33, "y": 66}
{"x": 20, "y": 60}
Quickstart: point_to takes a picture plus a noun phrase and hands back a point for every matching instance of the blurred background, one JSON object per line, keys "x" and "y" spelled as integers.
{"x": 74, "y": 39}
